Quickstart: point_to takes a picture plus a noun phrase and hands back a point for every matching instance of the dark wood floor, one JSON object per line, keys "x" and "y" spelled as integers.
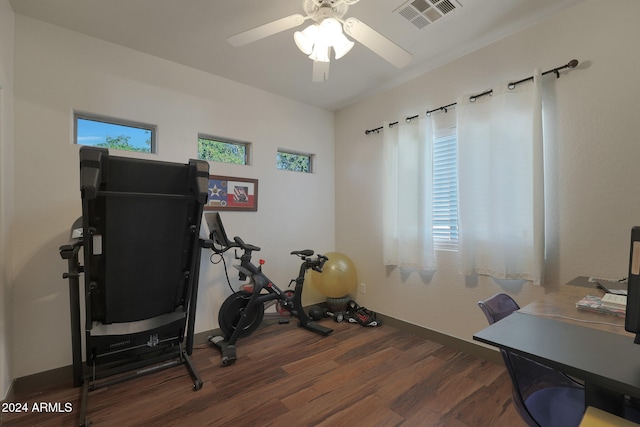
{"x": 287, "y": 376}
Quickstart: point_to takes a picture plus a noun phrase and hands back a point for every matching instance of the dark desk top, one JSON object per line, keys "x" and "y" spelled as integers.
{"x": 603, "y": 358}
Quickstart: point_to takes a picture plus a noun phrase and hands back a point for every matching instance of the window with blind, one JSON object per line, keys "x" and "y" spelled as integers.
{"x": 445, "y": 190}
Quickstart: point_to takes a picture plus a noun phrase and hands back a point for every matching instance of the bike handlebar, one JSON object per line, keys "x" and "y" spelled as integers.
{"x": 245, "y": 246}
{"x": 316, "y": 264}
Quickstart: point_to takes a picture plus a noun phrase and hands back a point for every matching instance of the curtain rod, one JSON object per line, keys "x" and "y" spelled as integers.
{"x": 571, "y": 64}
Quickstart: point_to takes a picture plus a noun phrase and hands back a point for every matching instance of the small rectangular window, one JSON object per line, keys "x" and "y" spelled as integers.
{"x": 118, "y": 134}
{"x": 221, "y": 150}
{"x": 292, "y": 161}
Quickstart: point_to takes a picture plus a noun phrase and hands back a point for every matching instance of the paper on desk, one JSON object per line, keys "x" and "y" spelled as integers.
{"x": 594, "y": 304}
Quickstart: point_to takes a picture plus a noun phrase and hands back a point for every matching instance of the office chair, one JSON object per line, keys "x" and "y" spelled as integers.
{"x": 140, "y": 245}
{"x": 544, "y": 397}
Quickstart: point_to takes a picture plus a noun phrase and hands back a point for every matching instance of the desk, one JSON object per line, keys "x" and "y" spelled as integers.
{"x": 608, "y": 363}
{"x": 561, "y": 305}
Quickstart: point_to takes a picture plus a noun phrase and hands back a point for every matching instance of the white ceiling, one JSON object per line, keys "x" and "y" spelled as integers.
{"x": 193, "y": 33}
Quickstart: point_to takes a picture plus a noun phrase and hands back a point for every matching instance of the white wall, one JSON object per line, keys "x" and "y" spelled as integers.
{"x": 58, "y": 71}
{"x": 592, "y": 155}
{"x": 6, "y": 172}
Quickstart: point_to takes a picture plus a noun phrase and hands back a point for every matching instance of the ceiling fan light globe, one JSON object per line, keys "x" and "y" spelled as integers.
{"x": 320, "y": 53}
{"x": 306, "y": 39}
{"x": 330, "y": 31}
{"x": 342, "y": 47}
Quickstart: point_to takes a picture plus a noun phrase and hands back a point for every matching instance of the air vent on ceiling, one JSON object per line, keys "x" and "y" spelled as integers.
{"x": 423, "y": 12}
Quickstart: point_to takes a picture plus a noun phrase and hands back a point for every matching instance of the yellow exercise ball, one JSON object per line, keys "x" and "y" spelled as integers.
{"x": 338, "y": 276}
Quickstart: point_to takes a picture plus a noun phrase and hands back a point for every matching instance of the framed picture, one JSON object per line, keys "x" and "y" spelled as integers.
{"x": 232, "y": 194}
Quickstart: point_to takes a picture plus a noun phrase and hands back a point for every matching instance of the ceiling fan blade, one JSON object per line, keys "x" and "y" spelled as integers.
{"x": 377, "y": 42}
{"x": 266, "y": 30}
{"x": 320, "y": 71}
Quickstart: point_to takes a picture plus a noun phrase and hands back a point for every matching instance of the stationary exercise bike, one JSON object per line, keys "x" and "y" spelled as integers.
{"x": 243, "y": 311}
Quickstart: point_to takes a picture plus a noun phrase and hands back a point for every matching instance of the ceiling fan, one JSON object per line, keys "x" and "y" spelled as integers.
{"x": 326, "y": 33}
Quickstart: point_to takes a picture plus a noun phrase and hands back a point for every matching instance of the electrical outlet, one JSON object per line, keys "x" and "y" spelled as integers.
{"x": 363, "y": 288}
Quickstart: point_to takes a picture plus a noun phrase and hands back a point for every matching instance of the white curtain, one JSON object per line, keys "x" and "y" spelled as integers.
{"x": 501, "y": 187}
{"x": 406, "y": 195}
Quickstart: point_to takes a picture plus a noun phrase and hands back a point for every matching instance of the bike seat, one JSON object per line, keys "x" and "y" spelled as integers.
{"x": 305, "y": 252}
{"x": 244, "y": 245}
